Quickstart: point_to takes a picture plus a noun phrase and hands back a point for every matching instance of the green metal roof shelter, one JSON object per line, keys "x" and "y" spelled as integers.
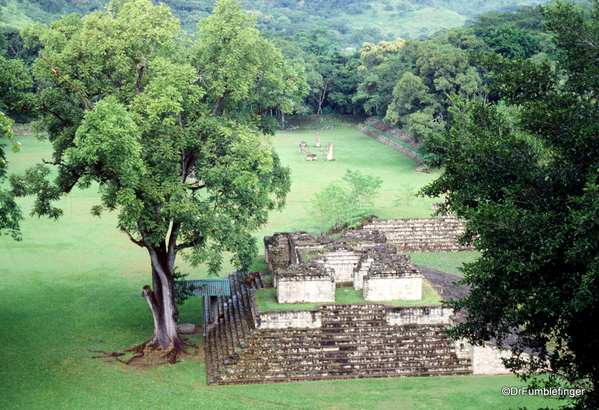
{"x": 209, "y": 289}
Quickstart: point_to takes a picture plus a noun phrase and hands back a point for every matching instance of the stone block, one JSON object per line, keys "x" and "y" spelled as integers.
{"x": 389, "y": 288}
{"x": 186, "y": 328}
{"x": 305, "y": 283}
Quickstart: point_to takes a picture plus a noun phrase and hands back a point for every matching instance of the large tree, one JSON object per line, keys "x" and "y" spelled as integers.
{"x": 172, "y": 133}
{"x": 526, "y": 177}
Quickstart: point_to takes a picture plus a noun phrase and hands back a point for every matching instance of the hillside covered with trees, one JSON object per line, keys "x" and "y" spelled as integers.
{"x": 404, "y": 81}
{"x": 349, "y": 22}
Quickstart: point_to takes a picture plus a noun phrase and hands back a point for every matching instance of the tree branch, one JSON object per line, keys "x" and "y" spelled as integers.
{"x": 172, "y": 244}
{"x": 273, "y": 107}
{"x": 216, "y": 104}
{"x": 45, "y": 107}
{"x": 141, "y": 68}
{"x": 57, "y": 74}
{"x": 135, "y": 241}
{"x": 189, "y": 244}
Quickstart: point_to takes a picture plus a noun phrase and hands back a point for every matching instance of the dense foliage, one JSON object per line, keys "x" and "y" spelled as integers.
{"x": 10, "y": 214}
{"x": 525, "y": 175}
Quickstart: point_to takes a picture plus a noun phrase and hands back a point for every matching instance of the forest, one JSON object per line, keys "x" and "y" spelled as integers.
{"x": 405, "y": 81}
{"x": 350, "y": 22}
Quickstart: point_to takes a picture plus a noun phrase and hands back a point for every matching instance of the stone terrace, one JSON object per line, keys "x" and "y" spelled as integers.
{"x": 339, "y": 342}
{"x": 422, "y": 235}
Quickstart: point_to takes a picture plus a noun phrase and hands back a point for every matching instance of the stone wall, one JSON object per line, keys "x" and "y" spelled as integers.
{"x": 276, "y": 252}
{"x": 288, "y": 319}
{"x": 377, "y": 288}
{"x": 394, "y": 316}
{"x": 419, "y": 315}
{"x": 384, "y": 140}
{"x": 343, "y": 262}
{"x": 361, "y": 271}
{"x": 486, "y": 359}
{"x": 305, "y": 291}
{"x": 391, "y": 131}
{"x": 422, "y": 235}
{"x": 305, "y": 283}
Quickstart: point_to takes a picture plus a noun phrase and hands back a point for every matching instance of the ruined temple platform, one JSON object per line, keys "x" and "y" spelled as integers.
{"x": 331, "y": 342}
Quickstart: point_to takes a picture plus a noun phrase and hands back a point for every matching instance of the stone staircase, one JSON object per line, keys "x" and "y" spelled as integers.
{"x": 422, "y": 235}
{"x": 354, "y": 342}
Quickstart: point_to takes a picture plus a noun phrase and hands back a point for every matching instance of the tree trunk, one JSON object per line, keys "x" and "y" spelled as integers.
{"x": 161, "y": 300}
{"x": 282, "y": 120}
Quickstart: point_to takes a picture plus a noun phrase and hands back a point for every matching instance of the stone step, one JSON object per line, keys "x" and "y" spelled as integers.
{"x": 310, "y": 365}
{"x": 343, "y": 339}
{"x": 339, "y": 373}
{"x": 262, "y": 279}
{"x": 352, "y": 307}
{"x": 353, "y": 324}
{"x": 326, "y": 358}
{"x": 327, "y": 377}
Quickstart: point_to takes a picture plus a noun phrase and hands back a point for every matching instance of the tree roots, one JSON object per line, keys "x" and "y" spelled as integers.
{"x": 148, "y": 354}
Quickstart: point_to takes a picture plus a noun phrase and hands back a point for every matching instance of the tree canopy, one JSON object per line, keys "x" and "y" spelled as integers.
{"x": 10, "y": 213}
{"x": 173, "y": 135}
{"x": 525, "y": 175}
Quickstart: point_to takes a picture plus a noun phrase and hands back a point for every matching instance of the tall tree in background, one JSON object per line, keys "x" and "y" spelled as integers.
{"x": 380, "y": 70}
{"x": 438, "y": 69}
{"x": 530, "y": 192}
{"x": 10, "y": 214}
{"x": 174, "y": 136}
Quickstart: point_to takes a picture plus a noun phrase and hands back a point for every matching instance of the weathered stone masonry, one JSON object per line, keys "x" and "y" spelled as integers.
{"x": 246, "y": 345}
{"x": 422, "y": 235}
{"x": 311, "y": 267}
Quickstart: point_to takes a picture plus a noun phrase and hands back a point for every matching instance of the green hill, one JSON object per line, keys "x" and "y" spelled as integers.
{"x": 350, "y": 22}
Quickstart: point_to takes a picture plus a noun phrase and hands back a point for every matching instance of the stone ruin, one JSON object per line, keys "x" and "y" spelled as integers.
{"x": 245, "y": 345}
{"x": 318, "y": 139}
{"x": 311, "y": 267}
{"x": 306, "y": 282}
{"x": 303, "y": 146}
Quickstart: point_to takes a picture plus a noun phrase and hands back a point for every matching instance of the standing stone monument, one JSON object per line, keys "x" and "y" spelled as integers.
{"x": 318, "y": 139}
{"x": 330, "y": 152}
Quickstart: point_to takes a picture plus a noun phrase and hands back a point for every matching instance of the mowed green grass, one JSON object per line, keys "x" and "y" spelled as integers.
{"x": 449, "y": 262}
{"x": 266, "y": 299}
{"x": 75, "y": 285}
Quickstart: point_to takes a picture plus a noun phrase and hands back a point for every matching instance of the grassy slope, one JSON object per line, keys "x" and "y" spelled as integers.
{"x": 74, "y": 285}
{"x": 13, "y": 15}
{"x": 415, "y": 24}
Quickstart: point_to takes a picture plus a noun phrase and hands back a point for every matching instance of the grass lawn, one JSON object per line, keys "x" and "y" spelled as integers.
{"x": 74, "y": 285}
{"x": 266, "y": 299}
{"x": 444, "y": 261}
